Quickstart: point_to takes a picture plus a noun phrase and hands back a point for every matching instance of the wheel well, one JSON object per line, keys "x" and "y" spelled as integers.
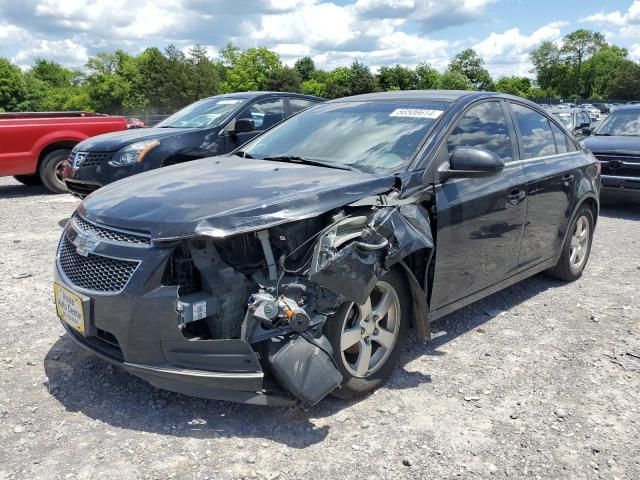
{"x": 593, "y": 205}
{"x": 62, "y": 145}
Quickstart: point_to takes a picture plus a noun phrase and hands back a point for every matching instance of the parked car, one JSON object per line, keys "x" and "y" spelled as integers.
{"x": 616, "y": 144}
{"x": 34, "y": 146}
{"x": 212, "y": 126}
{"x": 343, "y": 226}
{"x": 576, "y": 120}
{"x": 133, "y": 122}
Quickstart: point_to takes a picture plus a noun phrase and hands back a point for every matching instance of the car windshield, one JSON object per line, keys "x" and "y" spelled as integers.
{"x": 203, "y": 114}
{"x": 624, "y": 123}
{"x": 565, "y": 118}
{"x": 371, "y": 136}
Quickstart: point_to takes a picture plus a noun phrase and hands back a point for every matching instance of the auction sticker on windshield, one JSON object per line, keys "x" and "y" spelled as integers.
{"x": 415, "y": 113}
{"x": 69, "y": 308}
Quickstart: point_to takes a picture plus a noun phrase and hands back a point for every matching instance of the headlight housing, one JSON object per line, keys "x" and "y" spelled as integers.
{"x": 134, "y": 153}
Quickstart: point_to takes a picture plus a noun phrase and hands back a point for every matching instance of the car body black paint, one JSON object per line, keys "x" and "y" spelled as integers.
{"x": 620, "y": 160}
{"x": 483, "y": 233}
{"x": 177, "y": 145}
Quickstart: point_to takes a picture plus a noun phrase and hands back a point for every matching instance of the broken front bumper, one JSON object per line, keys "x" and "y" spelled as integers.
{"x": 137, "y": 328}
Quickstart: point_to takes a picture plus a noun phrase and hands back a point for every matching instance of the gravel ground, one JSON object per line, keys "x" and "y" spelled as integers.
{"x": 539, "y": 381}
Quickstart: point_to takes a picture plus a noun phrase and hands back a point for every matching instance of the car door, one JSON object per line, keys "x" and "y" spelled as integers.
{"x": 262, "y": 114}
{"x": 549, "y": 162}
{"x": 479, "y": 220}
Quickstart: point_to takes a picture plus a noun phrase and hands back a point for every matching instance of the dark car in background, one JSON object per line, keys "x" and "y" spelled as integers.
{"x": 576, "y": 120}
{"x": 616, "y": 144}
{"x": 294, "y": 267}
{"x": 212, "y": 126}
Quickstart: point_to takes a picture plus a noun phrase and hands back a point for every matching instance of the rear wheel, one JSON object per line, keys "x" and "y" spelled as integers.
{"x": 576, "y": 248}
{"x": 29, "y": 180}
{"x": 367, "y": 339}
{"x": 51, "y": 170}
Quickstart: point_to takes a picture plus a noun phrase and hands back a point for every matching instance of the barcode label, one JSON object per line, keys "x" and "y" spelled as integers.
{"x": 199, "y": 310}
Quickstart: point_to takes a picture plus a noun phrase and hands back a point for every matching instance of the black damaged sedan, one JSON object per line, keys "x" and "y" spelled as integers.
{"x": 295, "y": 267}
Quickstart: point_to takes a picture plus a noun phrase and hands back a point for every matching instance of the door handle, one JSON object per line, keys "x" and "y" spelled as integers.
{"x": 516, "y": 196}
{"x": 567, "y": 178}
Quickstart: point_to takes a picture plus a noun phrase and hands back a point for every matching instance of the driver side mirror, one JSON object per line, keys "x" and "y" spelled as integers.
{"x": 244, "y": 125}
{"x": 468, "y": 162}
{"x": 585, "y": 128}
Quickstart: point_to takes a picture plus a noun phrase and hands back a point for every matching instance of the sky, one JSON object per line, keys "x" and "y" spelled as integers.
{"x": 333, "y": 33}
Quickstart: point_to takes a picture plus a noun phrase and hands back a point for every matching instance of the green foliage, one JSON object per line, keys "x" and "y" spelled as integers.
{"x": 314, "y": 87}
{"x": 625, "y": 82}
{"x": 469, "y": 64}
{"x": 13, "y": 88}
{"x": 397, "y": 78}
{"x": 514, "y": 85}
{"x": 455, "y": 80}
{"x": 251, "y": 69}
{"x": 284, "y": 79}
{"x": 305, "y": 67}
{"x": 427, "y": 77}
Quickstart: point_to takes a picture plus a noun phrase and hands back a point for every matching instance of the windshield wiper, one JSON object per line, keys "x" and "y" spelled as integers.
{"x": 602, "y": 134}
{"x": 242, "y": 154}
{"x": 309, "y": 161}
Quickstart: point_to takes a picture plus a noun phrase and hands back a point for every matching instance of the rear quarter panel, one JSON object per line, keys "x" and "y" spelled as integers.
{"x": 23, "y": 140}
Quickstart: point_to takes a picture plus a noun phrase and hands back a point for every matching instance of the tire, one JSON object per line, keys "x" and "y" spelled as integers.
{"x": 51, "y": 170}
{"x": 350, "y": 323}
{"x": 29, "y": 180}
{"x": 576, "y": 248}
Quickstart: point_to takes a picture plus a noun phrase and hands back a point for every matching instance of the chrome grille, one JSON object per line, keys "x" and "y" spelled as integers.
{"x": 94, "y": 272}
{"x": 82, "y": 225}
{"x": 619, "y": 164}
{"x": 88, "y": 159}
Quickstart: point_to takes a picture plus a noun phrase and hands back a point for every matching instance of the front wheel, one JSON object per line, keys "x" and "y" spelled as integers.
{"x": 367, "y": 339}
{"x": 51, "y": 171}
{"x": 576, "y": 248}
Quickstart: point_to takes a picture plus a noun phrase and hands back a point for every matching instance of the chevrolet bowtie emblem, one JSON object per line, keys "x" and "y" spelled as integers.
{"x": 85, "y": 243}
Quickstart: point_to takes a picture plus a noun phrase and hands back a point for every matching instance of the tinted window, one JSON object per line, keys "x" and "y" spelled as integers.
{"x": 265, "y": 113}
{"x": 536, "y": 137}
{"x": 483, "y": 126}
{"x": 561, "y": 140}
{"x": 621, "y": 122}
{"x": 297, "y": 104}
{"x": 372, "y": 136}
{"x": 585, "y": 118}
{"x": 202, "y": 114}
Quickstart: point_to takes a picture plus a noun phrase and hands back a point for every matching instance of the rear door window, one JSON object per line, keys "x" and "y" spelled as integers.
{"x": 265, "y": 113}
{"x": 297, "y": 104}
{"x": 536, "y": 138}
{"x": 485, "y": 126}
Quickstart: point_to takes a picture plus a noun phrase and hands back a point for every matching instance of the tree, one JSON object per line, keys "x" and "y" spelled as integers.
{"x": 597, "y": 70}
{"x": 361, "y": 80}
{"x": 284, "y": 79}
{"x": 427, "y": 77}
{"x": 13, "y": 88}
{"x": 471, "y": 66}
{"x": 520, "y": 86}
{"x": 580, "y": 45}
{"x": 51, "y": 73}
{"x": 625, "y": 82}
{"x": 153, "y": 67}
{"x": 176, "y": 77}
{"x": 338, "y": 83}
{"x": 251, "y": 70}
{"x": 397, "y": 78}
{"x": 203, "y": 74}
{"x": 455, "y": 80}
{"x": 305, "y": 68}
{"x": 548, "y": 67}
{"x": 314, "y": 87}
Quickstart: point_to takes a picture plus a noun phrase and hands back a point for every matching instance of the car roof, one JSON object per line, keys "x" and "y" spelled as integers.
{"x": 629, "y": 106}
{"x": 566, "y": 110}
{"x": 436, "y": 95}
{"x": 254, "y": 95}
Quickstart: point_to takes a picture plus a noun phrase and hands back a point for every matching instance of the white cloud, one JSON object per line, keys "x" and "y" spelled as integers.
{"x": 634, "y": 52}
{"x": 628, "y": 22}
{"x": 66, "y": 52}
{"x": 507, "y": 53}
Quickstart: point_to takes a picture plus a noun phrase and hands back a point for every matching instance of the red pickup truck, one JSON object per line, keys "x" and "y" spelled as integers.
{"x": 34, "y": 146}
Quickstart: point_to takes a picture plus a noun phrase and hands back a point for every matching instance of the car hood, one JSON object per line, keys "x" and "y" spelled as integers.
{"x": 617, "y": 144}
{"x": 110, "y": 142}
{"x": 226, "y": 195}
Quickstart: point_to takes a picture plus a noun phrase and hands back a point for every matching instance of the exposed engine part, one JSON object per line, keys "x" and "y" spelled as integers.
{"x": 305, "y": 366}
{"x": 263, "y": 236}
{"x": 283, "y": 311}
{"x": 194, "y": 307}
